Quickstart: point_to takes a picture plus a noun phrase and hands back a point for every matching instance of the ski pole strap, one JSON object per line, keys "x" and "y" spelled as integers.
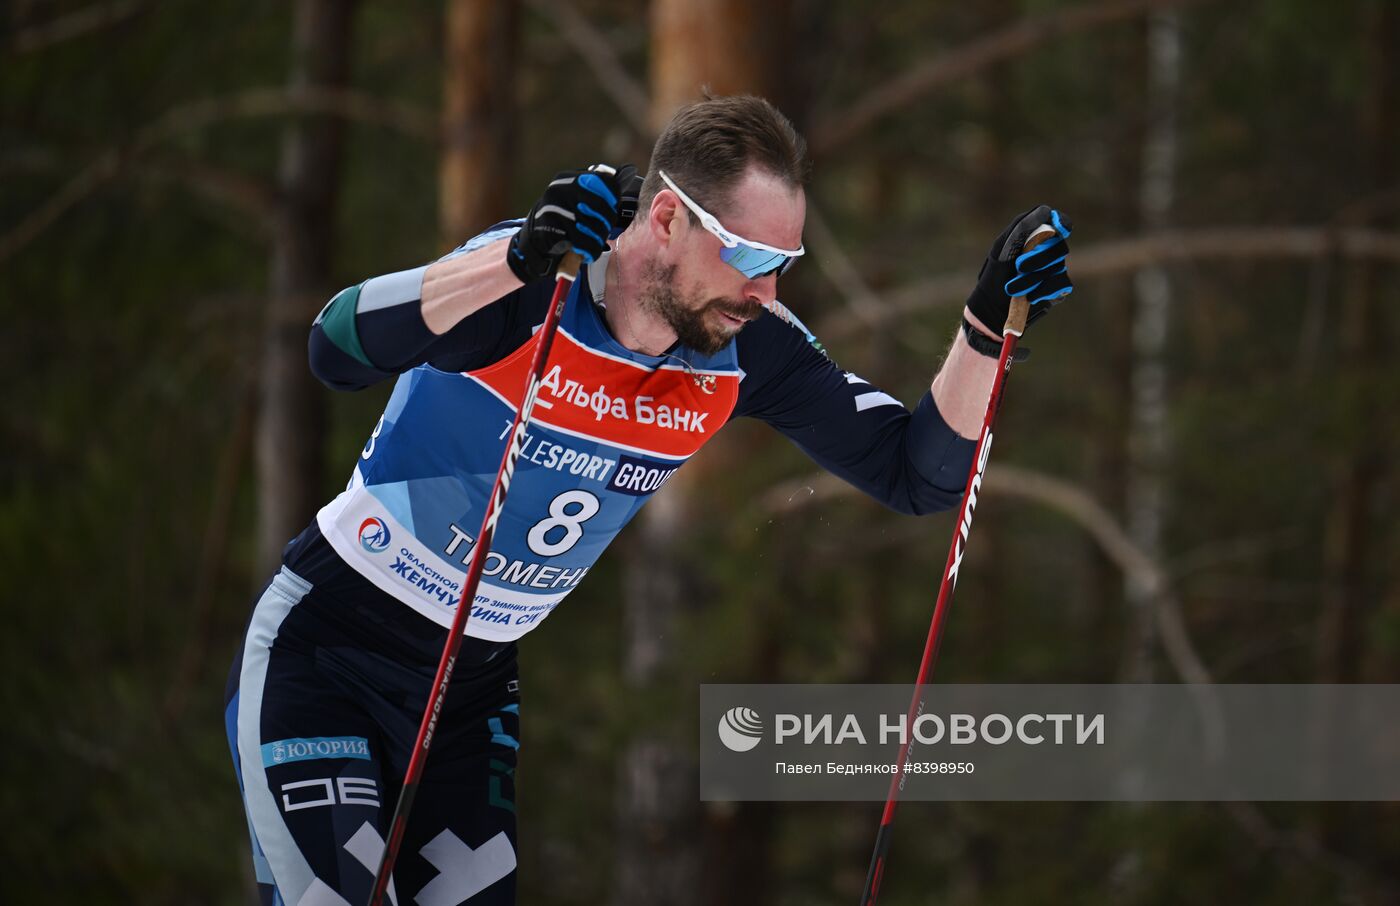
{"x": 988, "y": 347}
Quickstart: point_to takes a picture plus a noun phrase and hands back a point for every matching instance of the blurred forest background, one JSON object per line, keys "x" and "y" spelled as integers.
{"x": 1194, "y": 478}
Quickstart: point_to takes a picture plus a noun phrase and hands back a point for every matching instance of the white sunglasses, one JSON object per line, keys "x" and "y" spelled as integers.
{"x": 752, "y": 259}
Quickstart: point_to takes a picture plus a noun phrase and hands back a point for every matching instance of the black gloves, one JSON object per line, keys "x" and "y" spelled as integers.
{"x": 1009, "y": 270}
{"x": 577, "y": 212}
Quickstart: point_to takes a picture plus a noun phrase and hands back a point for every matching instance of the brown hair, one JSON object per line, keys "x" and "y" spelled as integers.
{"x": 708, "y": 145}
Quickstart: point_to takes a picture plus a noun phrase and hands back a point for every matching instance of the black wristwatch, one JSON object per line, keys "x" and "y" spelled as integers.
{"x": 988, "y": 347}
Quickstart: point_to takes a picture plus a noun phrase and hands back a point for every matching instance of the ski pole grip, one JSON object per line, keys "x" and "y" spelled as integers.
{"x": 1020, "y": 308}
{"x": 1016, "y": 317}
{"x": 569, "y": 266}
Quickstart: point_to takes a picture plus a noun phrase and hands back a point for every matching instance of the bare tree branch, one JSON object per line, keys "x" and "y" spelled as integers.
{"x": 261, "y": 102}
{"x": 74, "y": 25}
{"x": 31, "y": 159}
{"x": 87, "y": 182}
{"x": 1114, "y": 541}
{"x": 626, "y": 93}
{"x": 1217, "y": 552}
{"x": 213, "y": 552}
{"x": 410, "y": 119}
{"x": 1125, "y": 256}
{"x": 250, "y": 197}
{"x": 1290, "y": 845}
{"x": 862, "y": 302}
{"x": 1200, "y": 244}
{"x": 961, "y": 62}
{"x": 1357, "y": 212}
{"x": 1107, "y": 533}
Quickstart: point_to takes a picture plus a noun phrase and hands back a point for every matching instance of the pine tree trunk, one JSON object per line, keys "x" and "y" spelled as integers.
{"x": 729, "y": 46}
{"x": 720, "y": 45}
{"x": 291, "y": 416}
{"x": 478, "y": 100}
{"x": 1109, "y": 438}
{"x": 1148, "y": 448}
{"x": 1148, "y": 444}
{"x": 1353, "y": 527}
{"x": 1358, "y": 469}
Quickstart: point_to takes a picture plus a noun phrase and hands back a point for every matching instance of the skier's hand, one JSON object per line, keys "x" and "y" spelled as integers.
{"x": 577, "y": 212}
{"x": 1039, "y": 275}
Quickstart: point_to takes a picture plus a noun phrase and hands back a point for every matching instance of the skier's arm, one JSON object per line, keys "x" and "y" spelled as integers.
{"x": 963, "y": 384}
{"x": 914, "y": 462}
{"x": 442, "y": 313}
{"x": 390, "y": 324}
{"x": 460, "y": 285}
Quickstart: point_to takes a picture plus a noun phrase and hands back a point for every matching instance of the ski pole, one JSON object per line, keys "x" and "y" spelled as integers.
{"x": 567, "y": 271}
{"x": 1015, "y": 325}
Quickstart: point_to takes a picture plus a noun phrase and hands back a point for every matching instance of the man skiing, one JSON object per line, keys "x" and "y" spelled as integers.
{"x": 672, "y": 329}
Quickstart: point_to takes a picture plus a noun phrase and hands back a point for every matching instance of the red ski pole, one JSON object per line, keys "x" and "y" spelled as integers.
{"x": 1015, "y": 325}
{"x": 567, "y": 271}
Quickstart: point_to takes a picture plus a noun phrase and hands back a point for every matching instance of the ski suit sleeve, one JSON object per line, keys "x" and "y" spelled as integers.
{"x": 375, "y": 330}
{"x": 912, "y": 462}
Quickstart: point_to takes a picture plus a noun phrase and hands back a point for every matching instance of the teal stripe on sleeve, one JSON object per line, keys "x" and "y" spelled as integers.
{"x": 338, "y": 322}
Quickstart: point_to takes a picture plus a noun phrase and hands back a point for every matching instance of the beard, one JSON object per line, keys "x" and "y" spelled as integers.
{"x": 688, "y": 315}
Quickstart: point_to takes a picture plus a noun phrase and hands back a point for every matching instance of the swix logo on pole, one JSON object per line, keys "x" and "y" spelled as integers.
{"x": 438, "y": 700}
{"x": 983, "y": 451}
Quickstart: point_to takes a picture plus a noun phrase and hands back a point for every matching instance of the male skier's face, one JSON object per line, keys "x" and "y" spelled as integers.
{"x": 704, "y": 300}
